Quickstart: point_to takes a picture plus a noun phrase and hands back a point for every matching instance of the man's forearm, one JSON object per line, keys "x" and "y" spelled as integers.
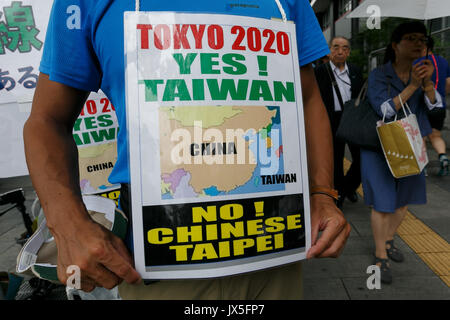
{"x": 319, "y": 141}
{"x": 52, "y": 159}
{"x": 325, "y": 216}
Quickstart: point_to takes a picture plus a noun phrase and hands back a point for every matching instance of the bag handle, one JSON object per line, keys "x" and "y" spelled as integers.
{"x": 403, "y": 107}
{"x": 335, "y": 85}
{"x": 362, "y": 93}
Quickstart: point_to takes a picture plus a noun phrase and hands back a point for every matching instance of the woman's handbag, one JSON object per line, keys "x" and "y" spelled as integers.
{"x": 358, "y": 123}
{"x": 402, "y": 144}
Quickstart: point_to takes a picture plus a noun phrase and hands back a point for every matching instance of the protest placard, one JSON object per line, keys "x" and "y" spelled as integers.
{"x": 217, "y": 145}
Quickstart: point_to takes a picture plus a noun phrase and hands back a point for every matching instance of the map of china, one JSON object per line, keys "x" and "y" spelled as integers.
{"x": 216, "y": 150}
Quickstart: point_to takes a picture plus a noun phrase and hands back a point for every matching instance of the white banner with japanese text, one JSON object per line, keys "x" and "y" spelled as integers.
{"x": 23, "y": 27}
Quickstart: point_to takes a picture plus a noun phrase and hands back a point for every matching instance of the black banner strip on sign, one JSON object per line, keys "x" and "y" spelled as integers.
{"x": 222, "y": 230}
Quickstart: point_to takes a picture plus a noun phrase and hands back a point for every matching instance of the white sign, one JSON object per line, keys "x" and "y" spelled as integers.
{"x": 217, "y": 144}
{"x": 23, "y": 27}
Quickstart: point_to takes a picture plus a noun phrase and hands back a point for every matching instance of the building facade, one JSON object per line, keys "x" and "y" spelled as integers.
{"x": 331, "y": 15}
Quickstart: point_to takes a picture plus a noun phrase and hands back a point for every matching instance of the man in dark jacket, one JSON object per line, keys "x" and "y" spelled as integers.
{"x": 339, "y": 82}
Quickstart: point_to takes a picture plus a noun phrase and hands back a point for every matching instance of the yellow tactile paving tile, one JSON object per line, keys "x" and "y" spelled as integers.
{"x": 429, "y": 242}
{"x": 438, "y": 262}
{"x": 412, "y": 226}
{"x": 409, "y": 216}
{"x": 429, "y": 246}
{"x": 446, "y": 280}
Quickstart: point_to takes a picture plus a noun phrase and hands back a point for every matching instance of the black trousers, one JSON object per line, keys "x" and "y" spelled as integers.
{"x": 345, "y": 184}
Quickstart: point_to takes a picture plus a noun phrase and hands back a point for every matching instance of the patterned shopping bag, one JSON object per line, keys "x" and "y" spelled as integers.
{"x": 403, "y": 146}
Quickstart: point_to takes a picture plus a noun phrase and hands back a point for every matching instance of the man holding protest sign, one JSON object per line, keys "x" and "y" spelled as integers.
{"x": 181, "y": 65}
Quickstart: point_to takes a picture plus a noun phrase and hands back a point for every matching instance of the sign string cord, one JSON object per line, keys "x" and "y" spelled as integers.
{"x": 280, "y": 7}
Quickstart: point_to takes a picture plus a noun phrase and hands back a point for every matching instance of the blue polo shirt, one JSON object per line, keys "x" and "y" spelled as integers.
{"x": 440, "y": 74}
{"x": 90, "y": 56}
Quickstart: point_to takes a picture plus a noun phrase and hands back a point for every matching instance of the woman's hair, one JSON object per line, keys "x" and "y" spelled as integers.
{"x": 397, "y": 35}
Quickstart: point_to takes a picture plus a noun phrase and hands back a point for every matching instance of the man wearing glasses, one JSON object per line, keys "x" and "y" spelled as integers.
{"x": 340, "y": 82}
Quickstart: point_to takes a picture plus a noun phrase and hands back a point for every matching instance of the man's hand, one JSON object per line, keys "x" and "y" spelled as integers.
{"x": 52, "y": 158}
{"x": 328, "y": 219}
{"x": 102, "y": 257}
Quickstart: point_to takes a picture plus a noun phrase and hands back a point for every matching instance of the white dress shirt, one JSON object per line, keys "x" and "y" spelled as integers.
{"x": 344, "y": 85}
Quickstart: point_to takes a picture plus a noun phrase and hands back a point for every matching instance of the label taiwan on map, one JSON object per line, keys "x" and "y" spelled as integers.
{"x": 217, "y": 146}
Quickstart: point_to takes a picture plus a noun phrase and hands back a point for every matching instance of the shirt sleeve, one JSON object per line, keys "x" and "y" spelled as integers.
{"x": 437, "y": 104}
{"x": 68, "y": 55}
{"x": 378, "y": 94}
{"x": 447, "y": 70}
{"x": 388, "y": 108}
{"x": 311, "y": 43}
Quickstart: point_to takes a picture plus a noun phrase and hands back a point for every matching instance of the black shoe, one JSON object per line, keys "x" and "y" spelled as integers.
{"x": 385, "y": 270}
{"x": 444, "y": 168}
{"x": 353, "y": 197}
{"x": 393, "y": 252}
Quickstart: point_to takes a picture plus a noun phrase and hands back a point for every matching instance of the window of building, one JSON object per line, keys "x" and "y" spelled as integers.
{"x": 326, "y": 19}
{"x": 344, "y": 6}
{"x": 436, "y": 24}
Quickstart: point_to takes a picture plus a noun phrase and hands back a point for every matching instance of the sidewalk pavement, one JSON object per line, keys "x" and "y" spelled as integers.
{"x": 424, "y": 239}
{"x": 346, "y": 278}
{"x": 425, "y": 273}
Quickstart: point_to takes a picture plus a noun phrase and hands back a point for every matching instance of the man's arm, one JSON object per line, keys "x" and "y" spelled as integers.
{"x": 325, "y": 216}
{"x": 52, "y": 159}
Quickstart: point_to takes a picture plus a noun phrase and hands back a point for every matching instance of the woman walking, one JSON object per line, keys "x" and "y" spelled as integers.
{"x": 395, "y": 81}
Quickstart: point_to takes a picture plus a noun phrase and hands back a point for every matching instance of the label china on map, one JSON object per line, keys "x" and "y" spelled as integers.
{"x": 240, "y": 147}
